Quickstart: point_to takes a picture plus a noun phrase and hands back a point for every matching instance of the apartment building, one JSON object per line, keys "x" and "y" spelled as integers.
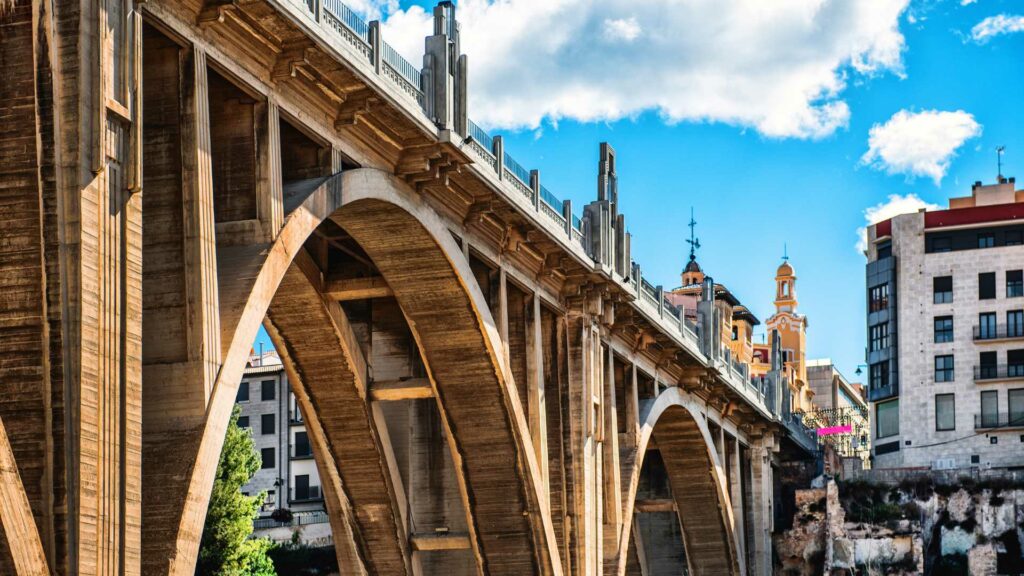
{"x": 288, "y": 474}
{"x": 945, "y": 327}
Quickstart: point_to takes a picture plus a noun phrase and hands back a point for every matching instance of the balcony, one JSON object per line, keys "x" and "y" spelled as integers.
{"x": 998, "y": 372}
{"x": 1001, "y": 333}
{"x": 879, "y": 393}
{"x": 310, "y": 494}
{"x": 993, "y": 420}
{"x": 301, "y": 452}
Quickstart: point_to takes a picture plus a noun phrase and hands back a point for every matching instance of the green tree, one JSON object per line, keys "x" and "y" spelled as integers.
{"x": 226, "y": 549}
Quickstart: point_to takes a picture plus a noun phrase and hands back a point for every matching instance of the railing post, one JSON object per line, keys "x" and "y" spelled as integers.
{"x": 660, "y": 293}
{"x": 375, "y": 45}
{"x": 498, "y": 147}
{"x": 567, "y": 213}
{"x": 638, "y": 274}
{"x": 535, "y": 186}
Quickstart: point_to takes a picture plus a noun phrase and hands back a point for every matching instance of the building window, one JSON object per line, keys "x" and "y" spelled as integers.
{"x": 944, "y": 368}
{"x": 243, "y": 392}
{"x": 1014, "y": 323}
{"x": 1014, "y": 283}
{"x": 880, "y": 375}
{"x": 986, "y": 240}
{"x": 987, "y": 368}
{"x": 989, "y": 409}
{"x": 884, "y": 249}
{"x": 735, "y": 333}
{"x": 945, "y": 412}
{"x": 267, "y": 455}
{"x": 878, "y": 298}
{"x": 943, "y": 329}
{"x": 267, "y": 424}
{"x": 942, "y": 244}
{"x": 942, "y": 288}
{"x": 1012, "y": 238}
{"x": 268, "y": 390}
{"x": 887, "y": 418}
{"x": 1016, "y": 400}
{"x": 302, "y": 447}
{"x": 1014, "y": 363}
{"x": 986, "y": 325}
{"x": 986, "y": 285}
{"x": 243, "y": 421}
{"x": 879, "y": 337}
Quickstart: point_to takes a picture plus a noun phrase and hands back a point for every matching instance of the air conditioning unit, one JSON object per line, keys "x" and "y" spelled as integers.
{"x": 944, "y": 464}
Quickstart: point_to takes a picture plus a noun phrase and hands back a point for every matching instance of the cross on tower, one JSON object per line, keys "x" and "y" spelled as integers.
{"x": 694, "y": 242}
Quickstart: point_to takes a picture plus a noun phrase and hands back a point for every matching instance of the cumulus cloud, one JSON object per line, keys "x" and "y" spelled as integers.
{"x": 996, "y": 26}
{"x": 621, "y": 29}
{"x": 967, "y": 2}
{"x": 919, "y": 143}
{"x": 780, "y": 67}
{"x": 893, "y": 206}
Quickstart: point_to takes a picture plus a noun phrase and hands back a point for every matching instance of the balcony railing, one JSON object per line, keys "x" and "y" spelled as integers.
{"x": 298, "y": 452}
{"x": 1000, "y": 332}
{"x": 991, "y": 420}
{"x": 298, "y": 519}
{"x": 311, "y": 494}
{"x": 877, "y": 393}
{"x": 998, "y": 372}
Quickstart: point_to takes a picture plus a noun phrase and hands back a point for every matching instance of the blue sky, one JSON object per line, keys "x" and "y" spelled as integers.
{"x": 759, "y": 118}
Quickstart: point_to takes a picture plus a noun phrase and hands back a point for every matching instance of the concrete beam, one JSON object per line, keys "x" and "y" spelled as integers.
{"x": 654, "y": 505}
{"x": 394, "y": 390}
{"x": 343, "y": 289}
{"x": 437, "y": 542}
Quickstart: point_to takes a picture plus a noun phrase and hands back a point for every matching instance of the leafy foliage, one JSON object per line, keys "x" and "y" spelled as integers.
{"x": 226, "y": 549}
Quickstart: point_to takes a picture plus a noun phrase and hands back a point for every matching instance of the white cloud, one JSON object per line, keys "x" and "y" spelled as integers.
{"x": 919, "y": 143}
{"x": 996, "y": 26}
{"x": 621, "y": 29}
{"x": 893, "y": 206}
{"x": 780, "y": 67}
{"x": 967, "y": 2}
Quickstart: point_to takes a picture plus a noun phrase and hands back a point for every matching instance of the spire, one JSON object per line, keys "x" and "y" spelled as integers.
{"x": 694, "y": 242}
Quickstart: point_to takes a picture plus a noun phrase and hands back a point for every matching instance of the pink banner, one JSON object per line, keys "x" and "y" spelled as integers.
{"x": 835, "y": 430}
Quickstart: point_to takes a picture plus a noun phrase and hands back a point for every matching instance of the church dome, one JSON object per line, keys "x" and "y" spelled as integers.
{"x": 784, "y": 269}
{"x": 692, "y": 266}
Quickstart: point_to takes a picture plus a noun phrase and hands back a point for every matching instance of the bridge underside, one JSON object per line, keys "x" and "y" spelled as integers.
{"x": 480, "y": 396}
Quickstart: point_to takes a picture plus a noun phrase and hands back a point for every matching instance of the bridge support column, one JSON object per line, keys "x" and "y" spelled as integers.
{"x": 584, "y": 389}
{"x": 736, "y": 496}
{"x": 761, "y": 491}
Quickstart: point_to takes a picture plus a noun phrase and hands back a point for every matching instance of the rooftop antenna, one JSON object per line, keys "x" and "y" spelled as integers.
{"x": 694, "y": 242}
{"x": 999, "y": 161}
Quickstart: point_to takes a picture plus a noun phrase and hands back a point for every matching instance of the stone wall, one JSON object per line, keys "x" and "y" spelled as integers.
{"x": 915, "y": 527}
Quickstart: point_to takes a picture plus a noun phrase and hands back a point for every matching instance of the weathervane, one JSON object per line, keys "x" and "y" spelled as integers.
{"x": 694, "y": 242}
{"x": 785, "y": 252}
{"x": 999, "y": 160}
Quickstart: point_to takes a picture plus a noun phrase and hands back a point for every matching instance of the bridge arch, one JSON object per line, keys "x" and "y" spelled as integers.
{"x": 510, "y": 525}
{"x": 697, "y": 480}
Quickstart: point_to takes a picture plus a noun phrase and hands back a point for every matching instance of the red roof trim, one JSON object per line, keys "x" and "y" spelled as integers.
{"x": 973, "y": 215}
{"x": 883, "y": 228}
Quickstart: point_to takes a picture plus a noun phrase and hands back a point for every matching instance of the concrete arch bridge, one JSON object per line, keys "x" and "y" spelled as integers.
{"x": 489, "y": 384}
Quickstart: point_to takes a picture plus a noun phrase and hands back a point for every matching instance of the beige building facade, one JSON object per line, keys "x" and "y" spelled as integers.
{"x": 945, "y": 327}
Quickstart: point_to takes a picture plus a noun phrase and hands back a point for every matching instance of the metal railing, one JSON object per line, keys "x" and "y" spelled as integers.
{"x": 298, "y": 519}
{"x": 313, "y": 493}
{"x": 401, "y": 65}
{"x": 984, "y": 372}
{"x": 1001, "y": 419}
{"x": 350, "y": 19}
{"x": 518, "y": 171}
{"x": 998, "y": 332}
{"x": 480, "y": 135}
